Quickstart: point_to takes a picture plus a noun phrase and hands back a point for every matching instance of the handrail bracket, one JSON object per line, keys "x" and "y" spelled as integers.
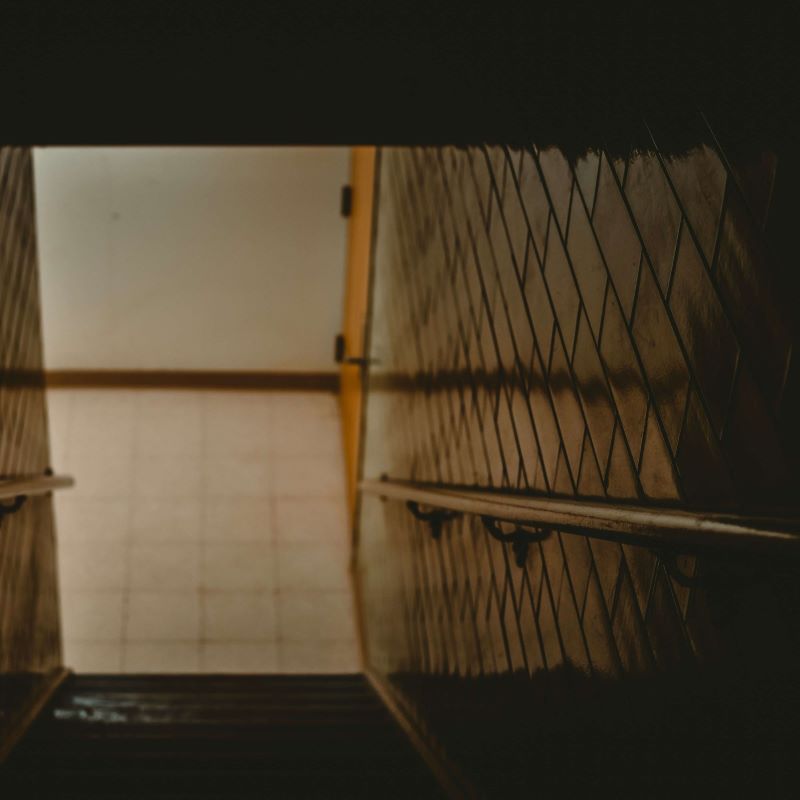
{"x": 520, "y": 538}
{"x": 435, "y": 518}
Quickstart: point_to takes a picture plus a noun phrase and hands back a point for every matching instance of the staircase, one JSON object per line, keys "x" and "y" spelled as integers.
{"x": 187, "y": 736}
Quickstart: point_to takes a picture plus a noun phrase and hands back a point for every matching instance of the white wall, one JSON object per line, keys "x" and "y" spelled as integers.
{"x": 191, "y": 258}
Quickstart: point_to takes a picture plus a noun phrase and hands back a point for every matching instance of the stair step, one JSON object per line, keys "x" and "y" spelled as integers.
{"x": 201, "y": 736}
{"x": 235, "y": 684}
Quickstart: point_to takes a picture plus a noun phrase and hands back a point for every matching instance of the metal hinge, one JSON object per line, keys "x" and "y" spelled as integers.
{"x": 346, "y": 206}
{"x": 339, "y": 353}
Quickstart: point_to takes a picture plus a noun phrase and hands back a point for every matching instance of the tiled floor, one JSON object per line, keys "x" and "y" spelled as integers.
{"x": 207, "y": 532}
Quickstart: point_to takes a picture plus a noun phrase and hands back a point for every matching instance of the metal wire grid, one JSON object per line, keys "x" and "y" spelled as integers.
{"x": 549, "y": 350}
{"x": 29, "y": 624}
{"x": 579, "y": 329}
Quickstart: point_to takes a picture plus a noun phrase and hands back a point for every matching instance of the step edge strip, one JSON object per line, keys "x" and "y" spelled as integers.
{"x": 30, "y": 713}
{"x": 447, "y": 774}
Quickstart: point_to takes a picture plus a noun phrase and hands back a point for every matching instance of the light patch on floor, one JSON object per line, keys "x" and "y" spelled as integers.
{"x": 207, "y": 532}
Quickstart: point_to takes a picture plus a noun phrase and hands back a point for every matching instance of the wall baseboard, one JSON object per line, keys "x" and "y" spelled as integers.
{"x": 191, "y": 379}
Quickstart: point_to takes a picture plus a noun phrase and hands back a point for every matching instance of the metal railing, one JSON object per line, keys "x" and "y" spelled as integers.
{"x": 677, "y": 530}
{"x": 19, "y": 488}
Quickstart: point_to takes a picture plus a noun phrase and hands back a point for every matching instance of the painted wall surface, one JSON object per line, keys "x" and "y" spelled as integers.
{"x": 201, "y": 258}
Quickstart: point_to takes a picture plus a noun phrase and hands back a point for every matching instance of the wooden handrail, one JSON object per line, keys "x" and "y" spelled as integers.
{"x": 642, "y": 525}
{"x": 31, "y": 485}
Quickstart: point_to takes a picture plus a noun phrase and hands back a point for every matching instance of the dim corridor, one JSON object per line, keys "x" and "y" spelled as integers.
{"x": 296, "y": 736}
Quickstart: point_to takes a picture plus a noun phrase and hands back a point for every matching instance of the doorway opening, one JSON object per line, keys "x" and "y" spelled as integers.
{"x": 190, "y": 300}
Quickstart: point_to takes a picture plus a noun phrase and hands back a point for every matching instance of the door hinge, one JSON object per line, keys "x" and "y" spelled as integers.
{"x": 338, "y": 348}
{"x": 346, "y": 206}
{"x": 340, "y": 353}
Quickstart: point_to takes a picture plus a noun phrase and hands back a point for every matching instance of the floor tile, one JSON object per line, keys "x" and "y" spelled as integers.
{"x": 312, "y": 519}
{"x": 229, "y": 616}
{"x": 237, "y": 423}
{"x": 207, "y": 531}
{"x": 319, "y": 657}
{"x": 284, "y": 405}
{"x": 59, "y": 458}
{"x": 59, "y": 411}
{"x": 306, "y": 435}
{"x": 107, "y": 474}
{"x": 163, "y": 616}
{"x": 163, "y": 657}
{"x": 238, "y": 519}
{"x": 93, "y": 657}
{"x": 92, "y": 565}
{"x": 237, "y": 476}
{"x": 102, "y": 421}
{"x": 164, "y": 567}
{"x": 59, "y": 407}
{"x": 240, "y": 657}
{"x": 304, "y": 566}
{"x": 309, "y": 476}
{"x": 238, "y": 566}
{"x": 315, "y": 616}
{"x": 95, "y": 616}
{"x": 169, "y": 423}
{"x": 165, "y": 476}
{"x": 102, "y": 518}
{"x": 166, "y": 520}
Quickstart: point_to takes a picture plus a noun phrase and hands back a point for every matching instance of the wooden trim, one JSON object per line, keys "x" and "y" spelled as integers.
{"x": 358, "y": 466}
{"x": 450, "y": 778}
{"x": 355, "y": 586}
{"x": 29, "y": 714}
{"x": 191, "y": 379}
{"x": 360, "y": 243}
